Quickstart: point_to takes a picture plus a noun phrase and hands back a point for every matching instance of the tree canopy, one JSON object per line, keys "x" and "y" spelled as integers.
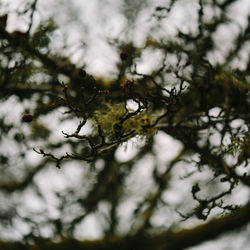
{"x": 148, "y": 148}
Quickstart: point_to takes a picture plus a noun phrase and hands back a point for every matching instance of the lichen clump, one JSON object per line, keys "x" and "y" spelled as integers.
{"x": 228, "y": 81}
{"x": 240, "y": 146}
{"x": 111, "y": 120}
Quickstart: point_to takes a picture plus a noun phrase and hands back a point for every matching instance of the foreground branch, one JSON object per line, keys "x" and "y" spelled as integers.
{"x": 166, "y": 241}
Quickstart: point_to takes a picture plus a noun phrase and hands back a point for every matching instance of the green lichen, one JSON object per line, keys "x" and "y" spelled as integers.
{"x": 42, "y": 35}
{"x": 240, "y": 146}
{"x": 228, "y": 81}
{"x": 39, "y": 131}
{"x": 111, "y": 120}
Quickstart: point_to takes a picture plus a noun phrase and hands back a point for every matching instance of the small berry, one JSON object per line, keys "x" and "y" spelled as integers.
{"x": 124, "y": 56}
{"x": 106, "y": 91}
{"x": 65, "y": 88}
{"x": 117, "y": 128}
{"x": 27, "y": 118}
{"x": 127, "y": 84}
{"x": 82, "y": 73}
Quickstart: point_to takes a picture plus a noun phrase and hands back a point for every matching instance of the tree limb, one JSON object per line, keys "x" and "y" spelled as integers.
{"x": 169, "y": 240}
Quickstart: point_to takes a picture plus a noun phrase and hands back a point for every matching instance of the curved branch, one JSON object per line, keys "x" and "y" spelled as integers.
{"x": 169, "y": 240}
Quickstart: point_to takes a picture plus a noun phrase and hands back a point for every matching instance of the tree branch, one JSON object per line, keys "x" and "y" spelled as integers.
{"x": 170, "y": 240}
